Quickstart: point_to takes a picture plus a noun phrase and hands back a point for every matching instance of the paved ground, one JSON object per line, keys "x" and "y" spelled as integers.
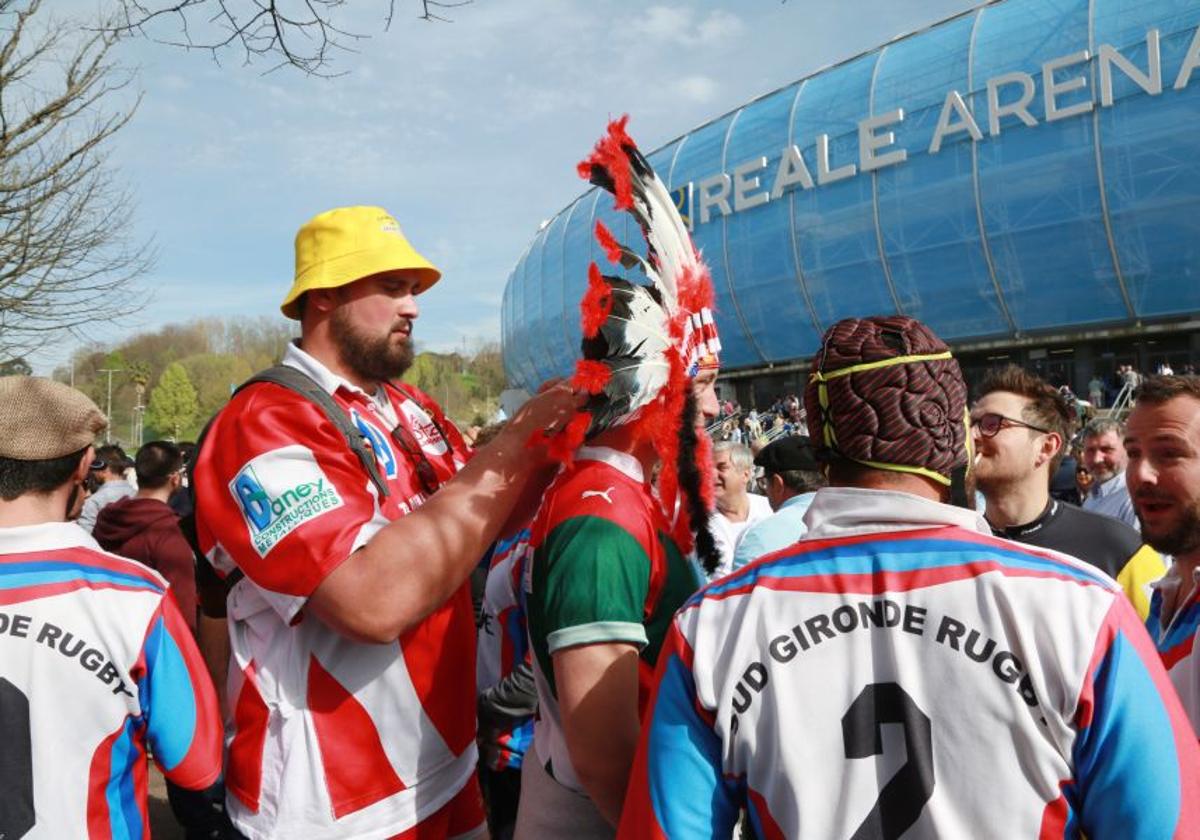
{"x": 162, "y": 824}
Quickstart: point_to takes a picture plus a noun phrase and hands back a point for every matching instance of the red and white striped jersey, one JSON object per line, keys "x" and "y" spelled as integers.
{"x": 330, "y": 737}
{"x": 901, "y": 672}
{"x": 97, "y": 669}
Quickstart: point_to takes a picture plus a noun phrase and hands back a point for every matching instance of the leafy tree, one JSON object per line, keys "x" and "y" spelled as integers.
{"x": 15, "y": 367}
{"x": 173, "y": 405}
{"x": 214, "y": 375}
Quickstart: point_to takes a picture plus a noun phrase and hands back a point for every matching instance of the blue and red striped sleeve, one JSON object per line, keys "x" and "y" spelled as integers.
{"x": 1137, "y": 762}
{"x": 677, "y": 788}
{"x": 183, "y": 724}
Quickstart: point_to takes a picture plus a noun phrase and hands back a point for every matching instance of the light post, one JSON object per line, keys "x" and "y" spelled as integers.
{"x": 108, "y": 404}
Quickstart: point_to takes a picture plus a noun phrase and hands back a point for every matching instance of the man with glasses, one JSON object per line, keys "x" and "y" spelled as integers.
{"x": 1020, "y": 427}
{"x": 351, "y": 678}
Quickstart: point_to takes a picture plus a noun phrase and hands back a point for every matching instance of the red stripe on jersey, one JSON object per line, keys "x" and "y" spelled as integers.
{"x": 87, "y": 557}
{"x": 243, "y": 776}
{"x": 440, "y": 656}
{"x": 141, "y": 780}
{"x": 1181, "y": 651}
{"x": 879, "y": 582}
{"x": 99, "y": 821}
{"x": 771, "y": 829}
{"x": 21, "y": 594}
{"x": 688, "y": 657}
{"x": 1054, "y": 818}
{"x": 358, "y": 772}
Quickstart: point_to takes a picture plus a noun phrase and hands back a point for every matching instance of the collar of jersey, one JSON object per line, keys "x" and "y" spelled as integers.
{"x": 847, "y": 511}
{"x": 45, "y": 536}
{"x": 310, "y": 366}
{"x": 622, "y": 462}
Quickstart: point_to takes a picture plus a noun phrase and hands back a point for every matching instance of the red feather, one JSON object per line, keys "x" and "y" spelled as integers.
{"x": 597, "y": 303}
{"x": 561, "y": 445}
{"x": 590, "y": 376}
{"x": 612, "y": 248}
{"x": 610, "y": 155}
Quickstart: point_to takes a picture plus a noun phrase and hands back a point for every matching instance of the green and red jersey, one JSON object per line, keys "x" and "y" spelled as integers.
{"x": 604, "y": 571}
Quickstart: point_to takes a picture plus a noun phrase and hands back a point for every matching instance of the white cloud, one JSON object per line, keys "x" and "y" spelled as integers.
{"x": 696, "y": 88}
{"x": 682, "y": 25}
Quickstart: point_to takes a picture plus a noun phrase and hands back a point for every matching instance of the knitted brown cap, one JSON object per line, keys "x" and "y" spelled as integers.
{"x": 42, "y": 419}
{"x": 885, "y": 392}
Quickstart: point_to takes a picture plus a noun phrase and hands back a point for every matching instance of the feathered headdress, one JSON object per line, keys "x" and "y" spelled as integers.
{"x": 643, "y": 344}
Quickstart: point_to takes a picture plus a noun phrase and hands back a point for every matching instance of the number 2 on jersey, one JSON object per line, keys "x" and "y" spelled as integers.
{"x": 904, "y": 796}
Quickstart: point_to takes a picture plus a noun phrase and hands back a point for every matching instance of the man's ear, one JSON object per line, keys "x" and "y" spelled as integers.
{"x": 85, "y": 464}
{"x": 321, "y": 300}
{"x": 1052, "y": 442}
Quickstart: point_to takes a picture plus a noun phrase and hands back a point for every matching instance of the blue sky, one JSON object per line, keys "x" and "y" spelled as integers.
{"x": 468, "y": 132}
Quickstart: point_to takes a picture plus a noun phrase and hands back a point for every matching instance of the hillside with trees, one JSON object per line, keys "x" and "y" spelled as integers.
{"x": 168, "y": 382}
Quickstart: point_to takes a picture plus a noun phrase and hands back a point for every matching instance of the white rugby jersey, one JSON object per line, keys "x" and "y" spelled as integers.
{"x": 901, "y": 672}
{"x": 1176, "y": 639}
{"x": 97, "y": 669}
{"x": 329, "y": 737}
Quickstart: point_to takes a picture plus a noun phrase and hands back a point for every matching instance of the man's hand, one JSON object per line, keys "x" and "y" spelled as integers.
{"x": 549, "y": 412}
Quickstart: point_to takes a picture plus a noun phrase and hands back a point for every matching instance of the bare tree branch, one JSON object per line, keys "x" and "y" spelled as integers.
{"x": 66, "y": 257}
{"x": 291, "y": 33}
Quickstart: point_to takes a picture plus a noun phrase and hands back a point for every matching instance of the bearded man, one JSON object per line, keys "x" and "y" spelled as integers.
{"x": 1162, "y": 439}
{"x": 352, "y": 708}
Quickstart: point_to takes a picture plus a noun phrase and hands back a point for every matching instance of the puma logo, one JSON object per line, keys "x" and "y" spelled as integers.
{"x": 603, "y": 494}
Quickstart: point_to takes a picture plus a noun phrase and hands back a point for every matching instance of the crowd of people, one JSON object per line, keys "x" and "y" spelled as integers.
{"x": 654, "y": 648}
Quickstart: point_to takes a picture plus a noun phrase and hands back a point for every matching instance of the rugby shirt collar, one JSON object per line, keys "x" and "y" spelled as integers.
{"x": 622, "y": 462}
{"x": 45, "y": 536}
{"x": 328, "y": 380}
{"x": 845, "y": 511}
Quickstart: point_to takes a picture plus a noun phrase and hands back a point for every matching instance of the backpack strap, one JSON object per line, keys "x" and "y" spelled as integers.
{"x": 305, "y": 386}
{"x": 212, "y": 590}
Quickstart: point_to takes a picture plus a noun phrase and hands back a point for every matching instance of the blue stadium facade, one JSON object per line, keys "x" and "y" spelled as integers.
{"x": 1024, "y": 177}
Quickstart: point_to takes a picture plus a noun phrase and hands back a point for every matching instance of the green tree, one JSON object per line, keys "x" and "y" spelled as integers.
{"x": 214, "y": 376}
{"x": 173, "y": 405}
{"x": 15, "y": 367}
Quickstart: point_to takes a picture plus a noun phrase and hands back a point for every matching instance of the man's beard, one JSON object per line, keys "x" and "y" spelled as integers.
{"x": 1103, "y": 474}
{"x": 374, "y": 358}
{"x": 1182, "y": 539}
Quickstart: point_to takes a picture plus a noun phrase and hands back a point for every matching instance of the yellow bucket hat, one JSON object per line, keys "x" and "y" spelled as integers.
{"x": 340, "y": 246}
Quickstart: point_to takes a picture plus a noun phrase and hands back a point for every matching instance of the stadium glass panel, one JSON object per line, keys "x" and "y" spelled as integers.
{"x": 700, "y": 158}
{"x": 577, "y": 255}
{"x": 762, "y": 264}
{"x": 522, "y": 335}
{"x": 559, "y": 354}
{"x": 1039, "y": 186}
{"x": 1151, "y": 156}
{"x": 928, "y": 216}
{"x": 835, "y": 222}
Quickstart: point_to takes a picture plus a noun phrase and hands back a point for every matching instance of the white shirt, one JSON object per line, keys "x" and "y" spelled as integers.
{"x": 727, "y": 533}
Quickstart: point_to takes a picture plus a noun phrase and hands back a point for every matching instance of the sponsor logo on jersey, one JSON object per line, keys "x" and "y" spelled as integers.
{"x": 423, "y": 429}
{"x": 279, "y": 491}
{"x": 380, "y": 445}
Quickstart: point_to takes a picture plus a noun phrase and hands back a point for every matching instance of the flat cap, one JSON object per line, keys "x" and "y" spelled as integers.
{"x": 794, "y": 452}
{"x": 42, "y": 419}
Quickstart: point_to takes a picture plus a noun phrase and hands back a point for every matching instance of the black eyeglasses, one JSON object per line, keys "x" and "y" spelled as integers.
{"x": 990, "y": 424}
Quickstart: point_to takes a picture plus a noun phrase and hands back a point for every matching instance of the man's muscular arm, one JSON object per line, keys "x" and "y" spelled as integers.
{"x": 598, "y": 697}
{"x": 413, "y": 565}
